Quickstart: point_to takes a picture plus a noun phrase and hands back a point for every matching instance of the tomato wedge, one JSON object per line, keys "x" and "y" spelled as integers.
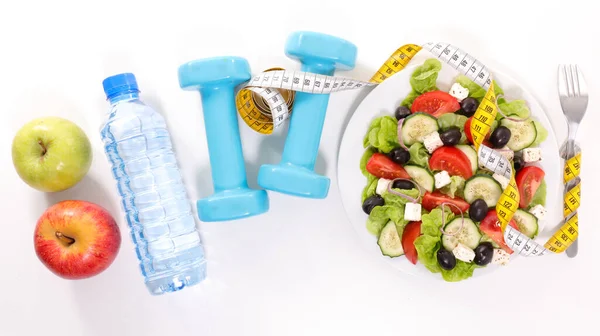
{"x": 436, "y": 198}
{"x": 470, "y": 137}
{"x": 491, "y": 227}
{"x": 528, "y": 181}
{"x": 411, "y": 232}
{"x": 452, "y": 160}
{"x": 435, "y": 103}
{"x": 383, "y": 167}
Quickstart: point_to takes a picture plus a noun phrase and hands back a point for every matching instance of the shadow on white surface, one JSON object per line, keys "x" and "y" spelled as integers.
{"x": 91, "y": 190}
{"x": 203, "y": 181}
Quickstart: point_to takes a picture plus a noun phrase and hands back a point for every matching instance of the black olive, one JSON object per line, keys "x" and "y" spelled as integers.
{"x": 469, "y": 106}
{"x": 451, "y": 136}
{"x": 399, "y": 155}
{"x": 371, "y": 202}
{"x": 484, "y": 253}
{"x": 402, "y": 112}
{"x": 478, "y": 210}
{"x": 519, "y": 163}
{"x": 446, "y": 259}
{"x": 500, "y": 136}
{"x": 403, "y": 184}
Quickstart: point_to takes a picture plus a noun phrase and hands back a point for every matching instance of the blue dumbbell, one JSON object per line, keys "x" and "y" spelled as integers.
{"x": 216, "y": 79}
{"x": 294, "y": 175}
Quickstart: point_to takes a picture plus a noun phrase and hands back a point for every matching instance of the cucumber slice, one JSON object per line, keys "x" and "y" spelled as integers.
{"x": 483, "y": 186}
{"x": 389, "y": 241}
{"x": 526, "y": 222}
{"x": 423, "y": 177}
{"x": 523, "y": 133}
{"x": 471, "y": 154}
{"x": 416, "y": 126}
{"x": 468, "y": 236}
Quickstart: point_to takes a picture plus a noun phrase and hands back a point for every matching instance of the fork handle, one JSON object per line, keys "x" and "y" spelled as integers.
{"x": 569, "y": 153}
{"x": 571, "y": 134}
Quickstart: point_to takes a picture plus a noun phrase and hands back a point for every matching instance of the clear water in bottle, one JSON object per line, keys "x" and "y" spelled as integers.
{"x": 153, "y": 196}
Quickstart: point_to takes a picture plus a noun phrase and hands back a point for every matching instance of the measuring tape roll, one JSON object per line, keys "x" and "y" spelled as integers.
{"x": 273, "y": 84}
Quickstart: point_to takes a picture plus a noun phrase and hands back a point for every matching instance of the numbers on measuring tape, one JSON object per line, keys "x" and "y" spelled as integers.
{"x": 571, "y": 201}
{"x": 572, "y": 168}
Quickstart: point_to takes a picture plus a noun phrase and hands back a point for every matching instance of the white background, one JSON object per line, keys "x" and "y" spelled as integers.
{"x": 299, "y": 269}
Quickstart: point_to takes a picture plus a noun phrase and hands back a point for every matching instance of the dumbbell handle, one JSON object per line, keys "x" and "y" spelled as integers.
{"x": 306, "y": 123}
{"x": 222, "y": 135}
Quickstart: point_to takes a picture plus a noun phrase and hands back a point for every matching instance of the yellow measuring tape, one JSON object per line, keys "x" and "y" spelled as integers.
{"x": 266, "y": 101}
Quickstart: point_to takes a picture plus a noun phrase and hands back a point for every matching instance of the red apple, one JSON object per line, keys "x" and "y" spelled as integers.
{"x": 77, "y": 239}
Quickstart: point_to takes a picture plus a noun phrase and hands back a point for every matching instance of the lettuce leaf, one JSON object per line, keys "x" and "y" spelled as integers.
{"x": 452, "y": 119}
{"x": 377, "y": 219}
{"x": 399, "y": 201}
{"x": 540, "y": 195}
{"x": 517, "y": 108}
{"x": 410, "y": 98}
{"x": 542, "y": 134}
{"x": 382, "y": 134}
{"x": 478, "y": 92}
{"x": 369, "y": 189}
{"x": 364, "y": 159}
{"x": 498, "y": 91}
{"x": 427, "y": 247}
{"x": 428, "y": 244}
{"x": 494, "y": 125}
{"x": 455, "y": 188}
{"x": 475, "y": 91}
{"x": 381, "y": 215}
{"x": 424, "y": 78}
{"x": 484, "y": 171}
{"x": 432, "y": 222}
{"x": 460, "y": 272}
{"x": 418, "y": 155}
{"x": 392, "y": 210}
{"x": 368, "y": 139}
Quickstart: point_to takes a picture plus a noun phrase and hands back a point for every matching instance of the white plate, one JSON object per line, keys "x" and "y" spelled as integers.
{"x": 383, "y": 100}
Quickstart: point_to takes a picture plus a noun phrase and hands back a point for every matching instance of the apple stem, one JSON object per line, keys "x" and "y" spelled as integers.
{"x": 43, "y": 147}
{"x": 65, "y": 239}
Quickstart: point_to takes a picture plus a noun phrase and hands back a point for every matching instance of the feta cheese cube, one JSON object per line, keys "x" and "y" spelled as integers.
{"x": 538, "y": 211}
{"x": 432, "y": 141}
{"x": 382, "y": 185}
{"x": 458, "y": 91}
{"x": 502, "y": 180}
{"x": 441, "y": 179}
{"x": 464, "y": 253}
{"x": 507, "y": 153}
{"x": 412, "y": 211}
{"x": 532, "y": 154}
{"x": 500, "y": 257}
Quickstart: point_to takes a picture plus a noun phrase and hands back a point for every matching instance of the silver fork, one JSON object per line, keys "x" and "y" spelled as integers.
{"x": 573, "y": 94}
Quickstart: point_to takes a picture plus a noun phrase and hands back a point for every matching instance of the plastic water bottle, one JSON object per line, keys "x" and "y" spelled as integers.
{"x": 162, "y": 224}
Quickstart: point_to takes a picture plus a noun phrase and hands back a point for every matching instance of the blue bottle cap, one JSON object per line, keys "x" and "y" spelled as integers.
{"x": 121, "y": 83}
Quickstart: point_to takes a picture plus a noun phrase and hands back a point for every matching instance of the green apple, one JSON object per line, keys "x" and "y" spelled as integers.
{"x": 51, "y": 154}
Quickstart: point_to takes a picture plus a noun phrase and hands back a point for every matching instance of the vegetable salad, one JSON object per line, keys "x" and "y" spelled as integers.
{"x": 427, "y": 197}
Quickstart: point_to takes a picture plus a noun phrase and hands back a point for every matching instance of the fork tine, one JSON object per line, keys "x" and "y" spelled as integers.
{"x": 569, "y": 74}
{"x": 575, "y": 75}
{"x": 581, "y": 81}
{"x": 562, "y": 81}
